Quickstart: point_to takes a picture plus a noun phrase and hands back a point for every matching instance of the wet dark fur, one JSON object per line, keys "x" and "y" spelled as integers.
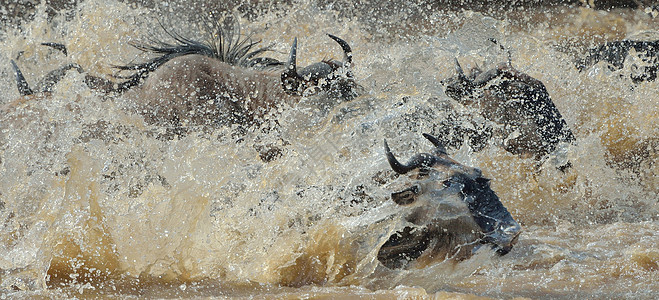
{"x": 222, "y": 80}
{"x": 616, "y": 52}
{"x": 517, "y": 101}
{"x": 441, "y": 228}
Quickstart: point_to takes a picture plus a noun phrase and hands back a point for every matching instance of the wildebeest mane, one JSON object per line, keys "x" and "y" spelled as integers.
{"x": 224, "y": 43}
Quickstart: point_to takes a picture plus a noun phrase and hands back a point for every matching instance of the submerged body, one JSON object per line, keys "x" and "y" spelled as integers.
{"x": 531, "y": 122}
{"x": 218, "y": 82}
{"x": 196, "y": 89}
{"x": 617, "y": 55}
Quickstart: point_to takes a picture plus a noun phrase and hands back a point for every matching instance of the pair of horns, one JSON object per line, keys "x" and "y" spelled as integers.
{"x": 292, "y": 80}
{"x": 419, "y": 160}
{"x": 347, "y": 52}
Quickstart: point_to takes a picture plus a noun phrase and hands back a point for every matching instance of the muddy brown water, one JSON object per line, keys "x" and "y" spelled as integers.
{"x": 94, "y": 202}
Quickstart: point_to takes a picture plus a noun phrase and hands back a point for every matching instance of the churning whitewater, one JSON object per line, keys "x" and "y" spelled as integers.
{"x": 328, "y": 149}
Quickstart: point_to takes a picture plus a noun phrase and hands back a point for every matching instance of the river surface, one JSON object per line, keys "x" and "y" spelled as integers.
{"x": 94, "y": 201}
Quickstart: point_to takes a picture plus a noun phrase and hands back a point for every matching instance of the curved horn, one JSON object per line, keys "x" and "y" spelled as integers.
{"x": 55, "y": 76}
{"x": 57, "y": 46}
{"x": 458, "y": 68}
{"x": 439, "y": 147}
{"x": 290, "y": 79}
{"x": 393, "y": 162}
{"x": 21, "y": 83}
{"x": 347, "y": 51}
{"x": 419, "y": 160}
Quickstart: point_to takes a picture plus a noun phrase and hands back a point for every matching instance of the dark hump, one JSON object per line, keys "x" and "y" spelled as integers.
{"x": 537, "y": 105}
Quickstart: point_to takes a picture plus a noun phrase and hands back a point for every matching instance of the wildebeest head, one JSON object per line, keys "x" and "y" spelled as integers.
{"x": 461, "y": 86}
{"x": 532, "y": 125}
{"x": 48, "y": 82}
{"x": 452, "y": 209}
{"x": 321, "y": 75}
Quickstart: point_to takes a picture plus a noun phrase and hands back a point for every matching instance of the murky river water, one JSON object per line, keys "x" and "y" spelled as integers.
{"x": 94, "y": 201}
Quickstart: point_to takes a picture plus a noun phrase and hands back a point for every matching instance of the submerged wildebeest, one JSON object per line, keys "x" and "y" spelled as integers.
{"x": 220, "y": 81}
{"x": 617, "y": 55}
{"x": 532, "y": 125}
{"x": 451, "y": 210}
{"x": 224, "y": 81}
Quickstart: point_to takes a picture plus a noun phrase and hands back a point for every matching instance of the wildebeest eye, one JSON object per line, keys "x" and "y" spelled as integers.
{"x": 423, "y": 172}
{"x": 406, "y": 196}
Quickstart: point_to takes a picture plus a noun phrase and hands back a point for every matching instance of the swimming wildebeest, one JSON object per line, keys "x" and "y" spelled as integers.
{"x": 452, "y": 210}
{"x": 531, "y": 122}
{"x": 617, "y": 53}
{"x": 220, "y": 81}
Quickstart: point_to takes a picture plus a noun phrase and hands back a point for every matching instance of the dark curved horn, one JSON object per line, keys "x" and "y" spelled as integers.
{"x": 393, "y": 162}
{"x": 55, "y": 76}
{"x": 347, "y": 51}
{"x": 21, "y": 83}
{"x": 290, "y": 79}
{"x": 458, "y": 68}
{"x": 57, "y": 46}
{"x": 439, "y": 147}
{"x": 419, "y": 160}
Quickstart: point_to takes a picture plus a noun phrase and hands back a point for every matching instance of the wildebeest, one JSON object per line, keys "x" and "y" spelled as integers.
{"x": 451, "y": 210}
{"x": 532, "y": 125}
{"x": 222, "y": 80}
{"x": 617, "y": 55}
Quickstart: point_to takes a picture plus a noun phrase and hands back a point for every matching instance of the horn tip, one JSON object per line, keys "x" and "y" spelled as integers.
{"x": 337, "y": 39}
{"x": 431, "y": 138}
{"x": 435, "y": 141}
{"x": 387, "y": 150}
{"x": 21, "y": 83}
{"x": 458, "y": 67}
{"x": 293, "y": 55}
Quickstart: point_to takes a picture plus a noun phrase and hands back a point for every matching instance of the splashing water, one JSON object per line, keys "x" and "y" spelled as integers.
{"x": 93, "y": 200}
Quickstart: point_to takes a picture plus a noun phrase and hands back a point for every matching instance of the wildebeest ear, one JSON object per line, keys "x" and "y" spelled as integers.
{"x": 482, "y": 181}
{"x": 406, "y": 196}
